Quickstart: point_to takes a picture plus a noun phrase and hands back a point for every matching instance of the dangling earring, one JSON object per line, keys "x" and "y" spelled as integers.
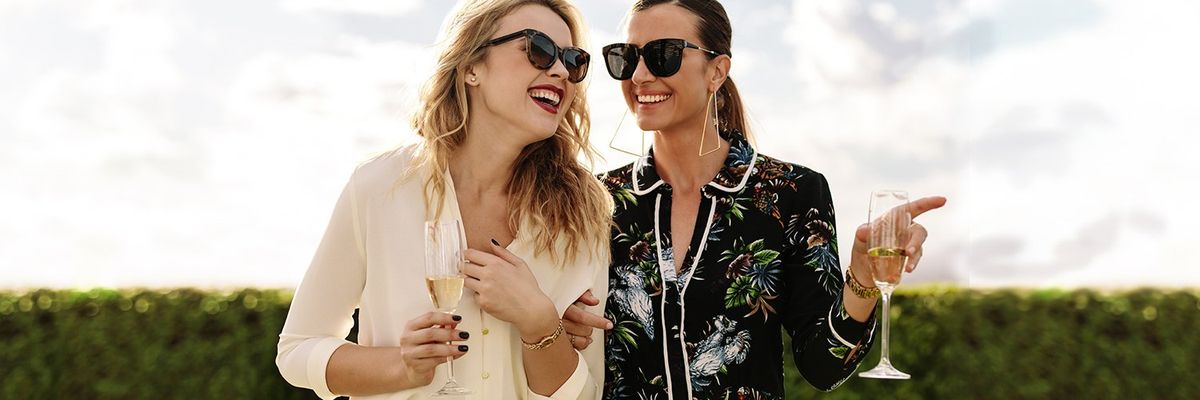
{"x": 704, "y": 128}
{"x": 611, "y": 142}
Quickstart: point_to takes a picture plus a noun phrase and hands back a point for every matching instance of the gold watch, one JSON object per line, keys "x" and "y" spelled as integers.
{"x": 858, "y": 288}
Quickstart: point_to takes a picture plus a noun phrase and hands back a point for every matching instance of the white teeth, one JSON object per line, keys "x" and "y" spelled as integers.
{"x": 653, "y": 98}
{"x": 548, "y": 95}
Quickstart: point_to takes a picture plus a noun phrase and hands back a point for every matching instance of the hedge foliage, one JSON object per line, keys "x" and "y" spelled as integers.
{"x": 996, "y": 344}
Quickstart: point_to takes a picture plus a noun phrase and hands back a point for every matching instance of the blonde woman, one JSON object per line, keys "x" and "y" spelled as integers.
{"x": 503, "y": 122}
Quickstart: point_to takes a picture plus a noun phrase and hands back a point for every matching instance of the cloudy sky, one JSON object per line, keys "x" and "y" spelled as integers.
{"x": 203, "y": 143}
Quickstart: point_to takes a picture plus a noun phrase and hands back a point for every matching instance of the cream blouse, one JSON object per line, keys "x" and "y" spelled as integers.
{"x": 371, "y": 258}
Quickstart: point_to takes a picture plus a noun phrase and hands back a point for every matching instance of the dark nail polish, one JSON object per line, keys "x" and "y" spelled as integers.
{"x": 457, "y": 318}
{"x": 462, "y": 348}
{"x": 495, "y": 242}
{"x": 464, "y": 335}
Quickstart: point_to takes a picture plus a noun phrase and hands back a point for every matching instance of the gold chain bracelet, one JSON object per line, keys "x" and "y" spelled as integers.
{"x": 858, "y": 288}
{"x": 546, "y": 341}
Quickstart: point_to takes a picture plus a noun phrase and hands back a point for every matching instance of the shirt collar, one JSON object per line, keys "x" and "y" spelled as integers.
{"x": 731, "y": 178}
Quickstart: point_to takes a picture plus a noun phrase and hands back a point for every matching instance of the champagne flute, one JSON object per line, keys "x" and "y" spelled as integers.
{"x": 444, "y": 249}
{"x": 890, "y": 219}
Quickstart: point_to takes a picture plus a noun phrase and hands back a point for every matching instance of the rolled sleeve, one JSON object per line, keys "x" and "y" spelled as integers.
{"x": 579, "y": 385}
{"x": 847, "y": 330}
{"x": 302, "y": 361}
{"x": 321, "y": 313}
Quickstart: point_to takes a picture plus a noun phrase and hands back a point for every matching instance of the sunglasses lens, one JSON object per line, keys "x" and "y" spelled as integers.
{"x": 576, "y": 61}
{"x": 621, "y": 60}
{"x": 663, "y": 56}
{"x": 541, "y": 51}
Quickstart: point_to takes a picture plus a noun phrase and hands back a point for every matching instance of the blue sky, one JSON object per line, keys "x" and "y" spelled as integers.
{"x": 172, "y": 143}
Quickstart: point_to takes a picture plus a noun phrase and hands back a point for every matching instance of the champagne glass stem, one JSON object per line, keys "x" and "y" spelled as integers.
{"x": 450, "y": 367}
{"x": 885, "y": 351}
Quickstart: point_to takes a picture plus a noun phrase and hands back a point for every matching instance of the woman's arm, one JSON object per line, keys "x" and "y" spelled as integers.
{"x": 360, "y": 370}
{"x": 320, "y": 316}
{"x": 828, "y": 341}
{"x": 506, "y": 288}
{"x": 548, "y": 369}
{"x": 313, "y": 352}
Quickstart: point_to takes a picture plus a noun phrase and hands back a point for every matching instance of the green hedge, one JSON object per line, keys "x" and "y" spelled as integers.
{"x": 1001, "y": 344}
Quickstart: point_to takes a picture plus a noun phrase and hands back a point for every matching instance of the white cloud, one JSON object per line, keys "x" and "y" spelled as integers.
{"x": 366, "y": 7}
{"x": 1039, "y": 144}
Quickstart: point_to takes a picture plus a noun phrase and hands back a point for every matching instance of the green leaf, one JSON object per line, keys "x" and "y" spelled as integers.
{"x": 839, "y": 352}
{"x": 765, "y": 256}
{"x": 757, "y": 245}
{"x": 739, "y": 291}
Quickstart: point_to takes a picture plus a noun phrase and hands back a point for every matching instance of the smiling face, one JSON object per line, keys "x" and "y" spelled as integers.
{"x": 512, "y": 97}
{"x": 676, "y": 102}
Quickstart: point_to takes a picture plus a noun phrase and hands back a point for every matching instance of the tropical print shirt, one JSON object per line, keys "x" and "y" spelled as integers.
{"x": 763, "y": 256}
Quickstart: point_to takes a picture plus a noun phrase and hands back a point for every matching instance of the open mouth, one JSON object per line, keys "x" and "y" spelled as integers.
{"x": 652, "y": 98}
{"x": 546, "y": 98}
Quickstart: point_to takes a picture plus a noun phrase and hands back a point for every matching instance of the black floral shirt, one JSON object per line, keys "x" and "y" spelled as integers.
{"x": 763, "y": 255}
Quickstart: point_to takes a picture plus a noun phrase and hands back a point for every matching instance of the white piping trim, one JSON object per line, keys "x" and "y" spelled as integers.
{"x": 687, "y": 362}
{"x": 637, "y": 167}
{"x": 829, "y": 319}
{"x": 683, "y": 304}
{"x": 712, "y": 211}
{"x": 745, "y": 177}
{"x": 662, "y": 304}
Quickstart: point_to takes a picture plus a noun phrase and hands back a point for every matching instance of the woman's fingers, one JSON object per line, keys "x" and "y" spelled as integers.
{"x": 579, "y": 316}
{"x": 925, "y": 204}
{"x": 429, "y": 356}
{"x": 482, "y": 258}
{"x": 432, "y": 318}
{"x": 506, "y": 255}
{"x": 914, "y": 259}
{"x": 587, "y": 298}
{"x": 916, "y": 238}
{"x": 436, "y": 335}
{"x": 580, "y": 342}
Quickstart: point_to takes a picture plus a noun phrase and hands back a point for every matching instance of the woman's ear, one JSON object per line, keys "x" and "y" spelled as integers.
{"x": 471, "y": 75}
{"x": 718, "y": 71}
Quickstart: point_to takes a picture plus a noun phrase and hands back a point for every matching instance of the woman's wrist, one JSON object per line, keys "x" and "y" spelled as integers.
{"x": 540, "y": 324}
{"x": 860, "y": 289}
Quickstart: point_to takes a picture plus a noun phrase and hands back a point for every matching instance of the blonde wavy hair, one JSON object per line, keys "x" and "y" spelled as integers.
{"x": 551, "y": 191}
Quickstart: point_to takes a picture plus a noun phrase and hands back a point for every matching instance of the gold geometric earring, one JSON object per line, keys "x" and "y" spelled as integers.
{"x": 704, "y": 128}
{"x": 611, "y": 142}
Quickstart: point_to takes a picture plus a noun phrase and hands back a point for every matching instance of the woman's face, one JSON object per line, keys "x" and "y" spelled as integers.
{"x": 513, "y": 96}
{"x": 676, "y": 102}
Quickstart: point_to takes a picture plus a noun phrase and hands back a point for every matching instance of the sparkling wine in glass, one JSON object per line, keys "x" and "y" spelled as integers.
{"x": 890, "y": 219}
{"x": 444, "y": 247}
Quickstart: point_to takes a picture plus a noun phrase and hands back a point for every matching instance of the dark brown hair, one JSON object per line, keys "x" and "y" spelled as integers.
{"x": 716, "y": 34}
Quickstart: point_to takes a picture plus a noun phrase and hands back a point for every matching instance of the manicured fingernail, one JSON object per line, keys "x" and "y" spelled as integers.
{"x": 495, "y": 242}
{"x": 462, "y": 348}
{"x": 457, "y": 318}
{"x": 464, "y": 335}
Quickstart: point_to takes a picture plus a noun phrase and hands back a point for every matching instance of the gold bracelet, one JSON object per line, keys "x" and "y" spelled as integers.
{"x": 546, "y": 341}
{"x": 859, "y": 290}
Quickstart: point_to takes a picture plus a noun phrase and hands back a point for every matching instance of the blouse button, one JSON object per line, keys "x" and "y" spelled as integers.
{"x": 485, "y": 331}
{"x": 486, "y": 375}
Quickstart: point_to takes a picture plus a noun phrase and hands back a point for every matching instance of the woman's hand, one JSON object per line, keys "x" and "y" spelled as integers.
{"x": 423, "y": 345}
{"x": 579, "y": 323}
{"x": 916, "y": 240}
{"x": 506, "y": 288}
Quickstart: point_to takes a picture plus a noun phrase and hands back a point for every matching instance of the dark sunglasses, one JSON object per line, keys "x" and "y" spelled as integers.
{"x": 543, "y": 52}
{"x": 663, "y": 57}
